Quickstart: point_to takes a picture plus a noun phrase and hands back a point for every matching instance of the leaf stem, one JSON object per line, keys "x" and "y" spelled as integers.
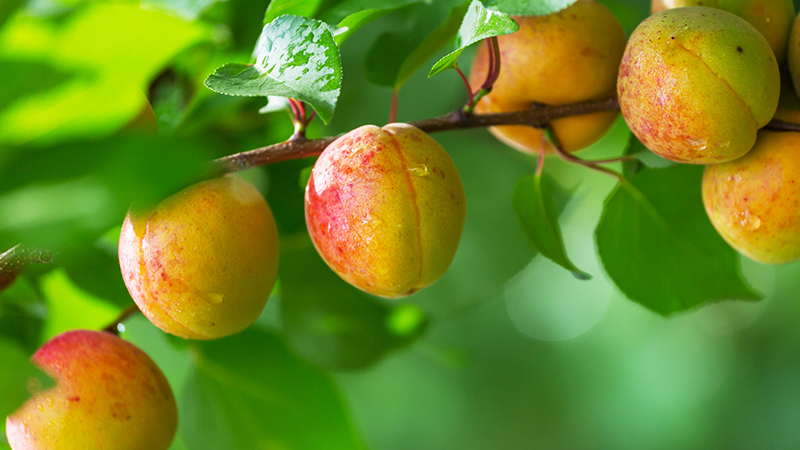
{"x": 393, "y": 107}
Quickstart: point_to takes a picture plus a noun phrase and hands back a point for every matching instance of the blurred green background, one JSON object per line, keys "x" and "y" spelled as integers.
{"x": 506, "y": 351}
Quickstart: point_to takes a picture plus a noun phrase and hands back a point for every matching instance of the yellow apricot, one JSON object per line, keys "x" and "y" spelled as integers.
{"x": 566, "y": 57}
{"x": 697, "y": 83}
{"x": 202, "y": 264}
{"x": 753, "y": 201}
{"x": 385, "y": 208}
{"x": 772, "y": 18}
{"x": 108, "y": 395}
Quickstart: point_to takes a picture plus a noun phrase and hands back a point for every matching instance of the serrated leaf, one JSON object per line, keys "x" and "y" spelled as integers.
{"x": 249, "y": 391}
{"x": 479, "y": 23}
{"x": 395, "y": 57}
{"x": 528, "y": 7}
{"x": 657, "y": 244}
{"x": 534, "y": 203}
{"x": 328, "y": 321}
{"x": 304, "y": 8}
{"x": 350, "y": 15}
{"x": 295, "y": 57}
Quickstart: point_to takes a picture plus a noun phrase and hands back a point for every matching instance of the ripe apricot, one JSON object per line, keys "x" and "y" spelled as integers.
{"x": 566, "y": 57}
{"x": 108, "y": 395}
{"x": 754, "y": 201}
{"x": 772, "y": 18}
{"x": 697, "y": 83}
{"x": 201, "y": 265}
{"x": 385, "y": 208}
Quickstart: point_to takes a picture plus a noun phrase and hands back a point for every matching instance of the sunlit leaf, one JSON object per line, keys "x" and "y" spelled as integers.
{"x": 657, "y": 244}
{"x": 296, "y": 57}
{"x": 479, "y": 23}
{"x": 528, "y": 7}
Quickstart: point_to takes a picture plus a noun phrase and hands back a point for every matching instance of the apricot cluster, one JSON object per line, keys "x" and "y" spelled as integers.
{"x": 696, "y": 85}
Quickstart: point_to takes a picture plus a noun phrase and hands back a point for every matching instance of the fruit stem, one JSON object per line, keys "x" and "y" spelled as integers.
{"x": 113, "y": 327}
{"x": 494, "y": 64}
{"x": 594, "y": 165}
{"x": 393, "y": 107}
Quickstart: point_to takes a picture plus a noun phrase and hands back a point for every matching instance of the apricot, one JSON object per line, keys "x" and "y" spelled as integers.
{"x": 567, "y": 57}
{"x": 201, "y": 265}
{"x": 754, "y": 201}
{"x": 385, "y": 209}
{"x": 772, "y": 18}
{"x": 108, "y": 395}
{"x": 697, "y": 83}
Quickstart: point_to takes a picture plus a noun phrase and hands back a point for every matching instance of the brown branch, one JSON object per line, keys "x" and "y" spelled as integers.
{"x": 780, "y": 125}
{"x": 299, "y": 147}
{"x": 538, "y": 116}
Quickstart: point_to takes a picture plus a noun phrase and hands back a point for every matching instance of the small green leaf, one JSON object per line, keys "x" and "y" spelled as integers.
{"x": 528, "y": 7}
{"x": 479, "y": 23}
{"x": 350, "y": 15}
{"x": 644, "y": 158}
{"x": 534, "y": 203}
{"x": 657, "y": 244}
{"x": 249, "y": 391}
{"x": 394, "y": 57}
{"x": 295, "y": 57}
{"x": 304, "y": 8}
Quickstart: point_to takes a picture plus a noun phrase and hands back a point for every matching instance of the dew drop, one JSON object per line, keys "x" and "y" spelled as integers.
{"x": 420, "y": 170}
{"x": 49, "y": 400}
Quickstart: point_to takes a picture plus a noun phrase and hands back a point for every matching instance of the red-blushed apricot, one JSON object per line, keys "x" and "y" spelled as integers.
{"x": 108, "y": 395}
{"x": 566, "y": 57}
{"x": 772, "y": 18}
{"x": 202, "y": 264}
{"x": 697, "y": 83}
{"x": 385, "y": 208}
{"x": 754, "y": 201}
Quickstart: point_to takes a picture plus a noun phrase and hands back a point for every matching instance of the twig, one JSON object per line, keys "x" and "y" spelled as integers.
{"x": 113, "y": 327}
{"x": 537, "y": 116}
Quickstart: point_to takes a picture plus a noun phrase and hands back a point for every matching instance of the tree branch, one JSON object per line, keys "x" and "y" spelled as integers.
{"x": 536, "y": 116}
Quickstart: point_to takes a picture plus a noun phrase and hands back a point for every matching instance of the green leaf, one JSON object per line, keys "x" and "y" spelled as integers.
{"x": 7, "y": 8}
{"x": 22, "y": 314}
{"x": 188, "y": 9}
{"x": 350, "y": 15}
{"x": 17, "y": 375}
{"x": 534, "y": 203}
{"x": 249, "y": 391}
{"x": 657, "y": 244}
{"x": 394, "y": 57}
{"x": 304, "y": 8}
{"x": 479, "y": 23}
{"x": 331, "y": 323}
{"x": 113, "y": 50}
{"x": 295, "y": 57}
{"x": 528, "y": 7}
{"x": 643, "y": 158}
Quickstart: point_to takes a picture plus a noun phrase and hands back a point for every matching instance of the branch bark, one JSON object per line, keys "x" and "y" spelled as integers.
{"x": 538, "y": 116}
{"x": 299, "y": 147}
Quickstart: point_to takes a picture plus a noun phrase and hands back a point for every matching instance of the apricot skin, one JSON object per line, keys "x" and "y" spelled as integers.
{"x": 202, "y": 264}
{"x": 772, "y": 18}
{"x": 696, "y": 84}
{"x": 754, "y": 201}
{"x": 108, "y": 395}
{"x": 385, "y": 209}
{"x": 566, "y": 57}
